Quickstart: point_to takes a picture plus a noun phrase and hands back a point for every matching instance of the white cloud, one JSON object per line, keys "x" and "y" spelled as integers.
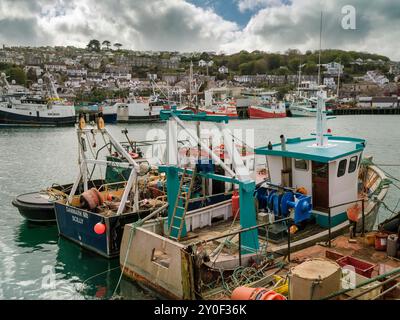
{"x": 146, "y": 25}
{"x": 178, "y": 25}
{"x": 252, "y": 5}
{"x": 297, "y": 26}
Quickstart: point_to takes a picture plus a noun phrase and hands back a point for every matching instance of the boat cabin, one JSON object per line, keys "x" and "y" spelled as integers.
{"x": 328, "y": 173}
{"x": 325, "y": 167}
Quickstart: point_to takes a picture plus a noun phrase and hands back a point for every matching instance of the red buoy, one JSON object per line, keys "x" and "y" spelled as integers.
{"x": 235, "y": 205}
{"x": 99, "y": 228}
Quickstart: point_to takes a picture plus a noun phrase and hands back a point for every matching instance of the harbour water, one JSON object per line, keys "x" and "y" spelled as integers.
{"x": 36, "y": 264}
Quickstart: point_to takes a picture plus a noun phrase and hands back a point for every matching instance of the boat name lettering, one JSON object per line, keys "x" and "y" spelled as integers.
{"x": 77, "y": 212}
{"x": 77, "y": 219}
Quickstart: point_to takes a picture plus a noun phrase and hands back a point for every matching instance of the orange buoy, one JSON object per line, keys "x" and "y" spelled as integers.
{"x": 99, "y": 228}
{"x": 246, "y": 293}
{"x": 353, "y": 213}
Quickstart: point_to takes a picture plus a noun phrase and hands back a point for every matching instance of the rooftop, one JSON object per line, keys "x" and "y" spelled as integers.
{"x": 306, "y": 149}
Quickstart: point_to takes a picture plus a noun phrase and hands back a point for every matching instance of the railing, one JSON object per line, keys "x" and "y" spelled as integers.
{"x": 344, "y": 204}
{"x": 240, "y": 231}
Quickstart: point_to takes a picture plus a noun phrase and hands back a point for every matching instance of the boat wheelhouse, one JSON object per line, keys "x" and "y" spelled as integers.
{"x": 328, "y": 172}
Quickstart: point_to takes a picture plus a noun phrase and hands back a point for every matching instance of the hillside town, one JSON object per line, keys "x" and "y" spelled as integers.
{"x": 102, "y": 71}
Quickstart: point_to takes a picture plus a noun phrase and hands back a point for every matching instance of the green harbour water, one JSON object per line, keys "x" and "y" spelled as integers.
{"x": 36, "y": 264}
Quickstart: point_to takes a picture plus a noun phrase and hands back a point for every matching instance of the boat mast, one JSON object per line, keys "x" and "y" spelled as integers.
{"x": 338, "y": 82}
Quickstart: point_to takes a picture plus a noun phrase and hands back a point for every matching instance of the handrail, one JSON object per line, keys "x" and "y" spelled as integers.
{"x": 239, "y": 231}
{"x": 343, "y": 204}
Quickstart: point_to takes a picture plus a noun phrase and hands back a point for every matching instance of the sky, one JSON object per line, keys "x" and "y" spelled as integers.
{"x": 204, "y": 25}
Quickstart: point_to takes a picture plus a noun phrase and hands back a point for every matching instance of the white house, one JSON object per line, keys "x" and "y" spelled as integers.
{"x": 333, "y": 68}
{"x": 55, "y": 67}
{"x": 330, "y": 82}
{"x": 202, "y": 63}
{"x": 223, "y": 70}
{"x": 94, "y": 64}
{"x": 77, "y": 72}
{"x": 376, "y": 77}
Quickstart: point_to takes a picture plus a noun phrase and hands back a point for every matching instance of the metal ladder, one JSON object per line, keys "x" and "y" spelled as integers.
{"x": 179, "y": 212}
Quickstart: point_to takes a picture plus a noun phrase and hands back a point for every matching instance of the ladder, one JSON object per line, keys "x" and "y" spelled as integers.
{"x": 179, "y": 212}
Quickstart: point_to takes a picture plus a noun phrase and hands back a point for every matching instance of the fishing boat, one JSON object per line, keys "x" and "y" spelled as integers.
{"x": 39, "y": 206}
{"x": 313, "y": 186}
{"x": 267, "y": 106}
{"x": 139, "y": 110}
{"x": 109, "y": 112}
{"x": 95, "y": 218}
{"x": 26, "y": 109}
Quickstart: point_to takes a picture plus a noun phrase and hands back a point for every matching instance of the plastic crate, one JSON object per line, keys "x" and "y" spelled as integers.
{"x": 332, "y": 255}
{"x": 361, "y": 267}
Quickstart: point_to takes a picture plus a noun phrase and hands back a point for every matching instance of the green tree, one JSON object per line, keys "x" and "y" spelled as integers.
{"x": 94, "y": 45}
{"x": 31, "y": 75}
{"x": 273, "y": 62}
{"x": 118, "y": 45}
{"x": 106, "y": 44}
{"x": 18, "y": 75}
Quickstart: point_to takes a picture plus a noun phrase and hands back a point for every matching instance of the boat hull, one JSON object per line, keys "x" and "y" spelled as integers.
{"x": 35, "y": 211}
{"x": 77, "y": 225}
{"x": 20, "y": 119}
{"x": 302, "y": 112}
{"x": 110, "y": 118}
{"x": 141, "y": 119}
{"x": 260, "y": 113}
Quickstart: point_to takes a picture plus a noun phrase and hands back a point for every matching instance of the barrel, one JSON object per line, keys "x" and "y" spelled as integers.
{"x": 381, "y": 241}
{"x": 392, "y": 245}
{"x": 314, "y": 279}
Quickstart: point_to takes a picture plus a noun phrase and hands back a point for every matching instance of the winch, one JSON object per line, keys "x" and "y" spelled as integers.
{"x": 279, "y": 202}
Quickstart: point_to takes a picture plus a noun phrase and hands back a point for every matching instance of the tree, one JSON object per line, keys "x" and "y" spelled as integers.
{"x": 18, "y": 75}
{"x": 106, "y": 44}
{"x": 118, "y": 46}
{"x": 31, "y": 75}
{"x": 273, "y": 62}
{"x": 94, "y": 45}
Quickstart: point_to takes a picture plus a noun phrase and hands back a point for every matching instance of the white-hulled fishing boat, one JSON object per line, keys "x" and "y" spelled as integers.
{"x": 23, "y": 108}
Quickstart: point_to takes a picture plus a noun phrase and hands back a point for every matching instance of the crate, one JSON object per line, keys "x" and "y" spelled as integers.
{"x": 361, "y": 267}
{"x": 332, "y": 255}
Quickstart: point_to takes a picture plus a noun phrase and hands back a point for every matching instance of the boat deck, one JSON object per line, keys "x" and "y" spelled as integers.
{"x": 357, "y": 249}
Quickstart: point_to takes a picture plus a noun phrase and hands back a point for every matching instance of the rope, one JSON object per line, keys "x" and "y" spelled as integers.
{"x": 243, "y": 276}
{"x": 96, "y": 275}
{"x": 133, "y": 230}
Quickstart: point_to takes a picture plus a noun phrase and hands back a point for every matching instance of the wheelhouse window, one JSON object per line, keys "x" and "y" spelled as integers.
{"x": 353, "y": 164}
{"x": 301, "y": 164}
{"x": 342, "y": 168}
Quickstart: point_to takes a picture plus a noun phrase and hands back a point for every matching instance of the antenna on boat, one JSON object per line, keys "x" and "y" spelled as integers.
{"x": 322, "y": 139}
{"x": 319, "y": 54}
{"x": 338, "y": 81}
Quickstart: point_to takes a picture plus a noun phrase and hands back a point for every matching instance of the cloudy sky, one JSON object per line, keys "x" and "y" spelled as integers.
{"x": 203, "y": 25}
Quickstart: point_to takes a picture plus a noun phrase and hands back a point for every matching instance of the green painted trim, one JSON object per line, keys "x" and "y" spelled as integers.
{"x": 359, "y": 147}
{"x": 188, "y": 115}
{"x": 323, "y": 220}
